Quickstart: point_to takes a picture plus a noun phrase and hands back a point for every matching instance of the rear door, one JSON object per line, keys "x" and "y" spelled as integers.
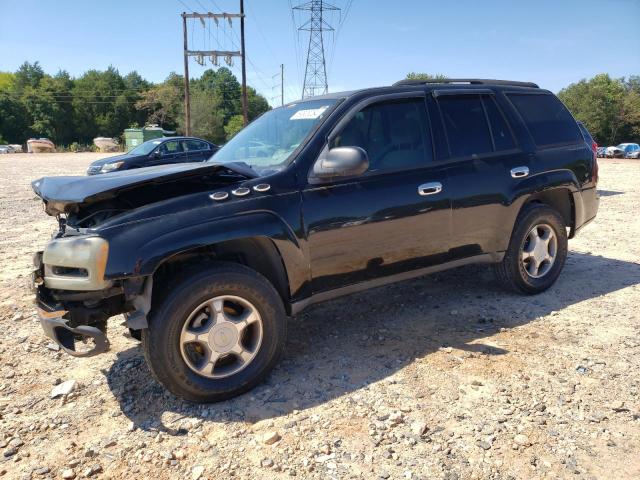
{"x": 392, "y": 219}
{"x": 196, "y": 150}
{"x": 486, "y": 165}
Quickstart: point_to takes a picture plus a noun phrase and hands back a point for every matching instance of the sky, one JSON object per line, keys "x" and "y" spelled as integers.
{"x": 550, "y": 42}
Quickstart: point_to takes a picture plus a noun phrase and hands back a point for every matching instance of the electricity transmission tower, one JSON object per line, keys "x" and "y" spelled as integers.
{"x": 315, "y": 74}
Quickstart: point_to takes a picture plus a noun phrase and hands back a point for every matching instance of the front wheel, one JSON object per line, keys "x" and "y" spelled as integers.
{"x": 216, "y": 333}
{"x": 536, "y": 253}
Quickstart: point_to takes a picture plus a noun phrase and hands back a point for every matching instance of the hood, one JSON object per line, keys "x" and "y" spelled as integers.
{"x": 65, "y": 194}
{"x": 115, "y": 158}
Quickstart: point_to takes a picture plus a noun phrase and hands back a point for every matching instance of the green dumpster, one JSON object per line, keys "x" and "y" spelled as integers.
{"x": 135, "y": 136}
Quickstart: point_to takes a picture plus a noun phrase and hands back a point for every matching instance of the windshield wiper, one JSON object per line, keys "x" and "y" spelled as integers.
{"x": 241, "y": 168}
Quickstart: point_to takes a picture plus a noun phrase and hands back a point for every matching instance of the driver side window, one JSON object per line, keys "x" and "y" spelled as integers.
{"x": 394, "y": 134}
{"x": 168, "y": 148}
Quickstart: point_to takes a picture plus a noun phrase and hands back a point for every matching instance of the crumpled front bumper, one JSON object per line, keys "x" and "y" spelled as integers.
{"x": 52, "y": 319}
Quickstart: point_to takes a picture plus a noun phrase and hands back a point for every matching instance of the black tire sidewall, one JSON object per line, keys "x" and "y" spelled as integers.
{"x": 162, "y": 338}
{"x": 538, "y": 215}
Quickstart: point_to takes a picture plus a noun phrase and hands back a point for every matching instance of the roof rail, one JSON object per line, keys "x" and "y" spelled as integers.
{"x": 472, "y": 81}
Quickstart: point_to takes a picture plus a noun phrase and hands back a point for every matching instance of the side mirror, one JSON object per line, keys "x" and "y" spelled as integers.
{"x": 156, "y": 154}
{"x": 340, "y": 162}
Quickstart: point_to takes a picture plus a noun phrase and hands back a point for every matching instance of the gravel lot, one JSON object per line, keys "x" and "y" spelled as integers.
{"x": 444, "y": 377}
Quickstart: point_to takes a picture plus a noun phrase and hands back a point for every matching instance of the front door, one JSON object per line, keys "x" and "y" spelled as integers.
{"x": 392, "y": 219}
{"x": 169, "y": 152}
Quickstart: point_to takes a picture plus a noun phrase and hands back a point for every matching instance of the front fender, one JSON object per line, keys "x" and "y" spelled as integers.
{"x": 140, "y": 248}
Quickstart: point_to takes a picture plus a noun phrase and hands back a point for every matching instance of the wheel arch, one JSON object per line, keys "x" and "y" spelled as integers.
{"x": 259, "y": 253}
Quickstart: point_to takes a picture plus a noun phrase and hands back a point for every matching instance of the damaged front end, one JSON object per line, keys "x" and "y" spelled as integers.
{"x": 77, "y": 319}
{"x": 75, "y": 291}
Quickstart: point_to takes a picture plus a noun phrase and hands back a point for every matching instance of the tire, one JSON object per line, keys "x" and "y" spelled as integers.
{"x": 162, "y": 342}
{"x": 513, "y": 273}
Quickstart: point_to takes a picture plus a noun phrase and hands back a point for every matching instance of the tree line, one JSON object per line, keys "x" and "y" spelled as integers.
{"x": 608, "y": 107}
{"x": 103, "y": 103}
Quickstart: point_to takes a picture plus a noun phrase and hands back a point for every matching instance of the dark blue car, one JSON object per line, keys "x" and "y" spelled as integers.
{"x": 159, "y": 151}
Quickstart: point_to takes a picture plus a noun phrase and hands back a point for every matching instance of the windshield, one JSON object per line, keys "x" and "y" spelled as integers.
{"x": 145, "y": 148}
{"x": 267, "y": 143}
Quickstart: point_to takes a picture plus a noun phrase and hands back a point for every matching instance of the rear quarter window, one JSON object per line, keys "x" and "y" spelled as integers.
{"x": 547, "y": 119}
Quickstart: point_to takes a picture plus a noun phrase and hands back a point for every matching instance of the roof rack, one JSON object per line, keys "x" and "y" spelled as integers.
{"x": 472, "y": 81}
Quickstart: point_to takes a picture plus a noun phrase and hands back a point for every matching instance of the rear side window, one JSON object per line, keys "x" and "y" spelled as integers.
{"x": 547, "y": 119}
{"x": 394, "y": 134}
{"x": 466, "y": 125}
{"x": 194, "y": 145}
{"x": 502, "y": 136}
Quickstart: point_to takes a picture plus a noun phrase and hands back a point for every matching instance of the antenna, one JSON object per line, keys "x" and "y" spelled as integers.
{"x": 315, "y": 74}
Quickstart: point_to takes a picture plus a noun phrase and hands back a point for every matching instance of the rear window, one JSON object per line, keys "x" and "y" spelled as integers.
{"x": 547, "y": 119}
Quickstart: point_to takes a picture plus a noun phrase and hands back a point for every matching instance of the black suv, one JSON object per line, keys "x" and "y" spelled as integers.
{"x": 319, "y": 198}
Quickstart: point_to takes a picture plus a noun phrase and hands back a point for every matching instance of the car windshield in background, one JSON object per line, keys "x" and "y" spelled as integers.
{"x": 267, "y": 143}
{"x": 145, "y": 148}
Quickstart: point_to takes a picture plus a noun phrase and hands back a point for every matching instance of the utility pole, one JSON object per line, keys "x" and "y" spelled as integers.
{"x": 315, "y": 74}
{"x": 282, "y": 84}
{"x": 187, "y": 99}
{"x": 213, "y": 56}
{"x": 245, "y": 115}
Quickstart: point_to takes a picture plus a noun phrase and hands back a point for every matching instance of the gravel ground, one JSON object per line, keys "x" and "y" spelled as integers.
{"x": 444, "y": 377}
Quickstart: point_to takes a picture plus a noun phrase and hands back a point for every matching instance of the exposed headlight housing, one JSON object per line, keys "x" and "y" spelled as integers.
{"x": 110, "y": 167}
{"x": 76, "y": 263}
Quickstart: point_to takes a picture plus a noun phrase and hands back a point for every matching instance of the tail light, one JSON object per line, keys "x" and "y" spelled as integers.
{"x": 594, "y": 171}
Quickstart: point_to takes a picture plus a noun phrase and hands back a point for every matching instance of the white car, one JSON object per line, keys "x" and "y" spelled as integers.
{"x": 7, "y": 149}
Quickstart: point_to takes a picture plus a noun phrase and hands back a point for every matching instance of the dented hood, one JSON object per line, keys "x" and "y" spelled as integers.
{"x": 60, "y": 194}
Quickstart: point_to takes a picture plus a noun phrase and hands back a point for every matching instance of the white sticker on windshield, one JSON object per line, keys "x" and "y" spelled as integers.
{"x": 310, "y": 114}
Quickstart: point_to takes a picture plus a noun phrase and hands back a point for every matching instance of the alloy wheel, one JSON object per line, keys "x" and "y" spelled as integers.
{"x": 221, "y": 337}
{"x": 539, "y": 251}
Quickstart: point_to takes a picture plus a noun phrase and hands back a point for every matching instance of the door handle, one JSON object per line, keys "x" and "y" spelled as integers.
{"x": 519, "y": 172}
{"x": 430, "y": 188}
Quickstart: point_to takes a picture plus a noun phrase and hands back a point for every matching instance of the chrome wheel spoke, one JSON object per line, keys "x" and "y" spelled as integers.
{"x": 249, "y": 317}
{"x": 209, "y": 362}
{"x": 242, "y": 354}
{"x": 216, "y": 310}
{"x": 189, "y": 336}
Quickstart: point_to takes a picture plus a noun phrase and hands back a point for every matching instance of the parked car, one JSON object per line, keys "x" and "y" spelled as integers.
{"x": 159, "y": 151}
{"x": 602, "y": 152}
{"x": 620, "y": 151}
{"x": 319, "y": 198}
{"x": 6, "y": 149}
{"x": 631, "y": 150}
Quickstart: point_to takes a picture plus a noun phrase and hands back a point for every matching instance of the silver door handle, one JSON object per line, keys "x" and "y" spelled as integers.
{"x": 430, "y": 188}
{"x": 519, "y": 172}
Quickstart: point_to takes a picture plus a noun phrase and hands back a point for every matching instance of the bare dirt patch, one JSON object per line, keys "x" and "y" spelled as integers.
{"x": 441, "y": 377}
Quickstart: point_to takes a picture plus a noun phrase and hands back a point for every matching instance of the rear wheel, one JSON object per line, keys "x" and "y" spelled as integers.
{"x": 216, "y": 333}
{"x": 536, "y": 253}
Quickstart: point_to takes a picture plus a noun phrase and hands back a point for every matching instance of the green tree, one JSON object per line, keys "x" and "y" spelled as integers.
{"x": 164, "y": 103}
{"x": 233, "y": 126}
{"x": 605, "y": 105}
{"x": 207, "y": 118}
{"x": 28, "y": 75}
